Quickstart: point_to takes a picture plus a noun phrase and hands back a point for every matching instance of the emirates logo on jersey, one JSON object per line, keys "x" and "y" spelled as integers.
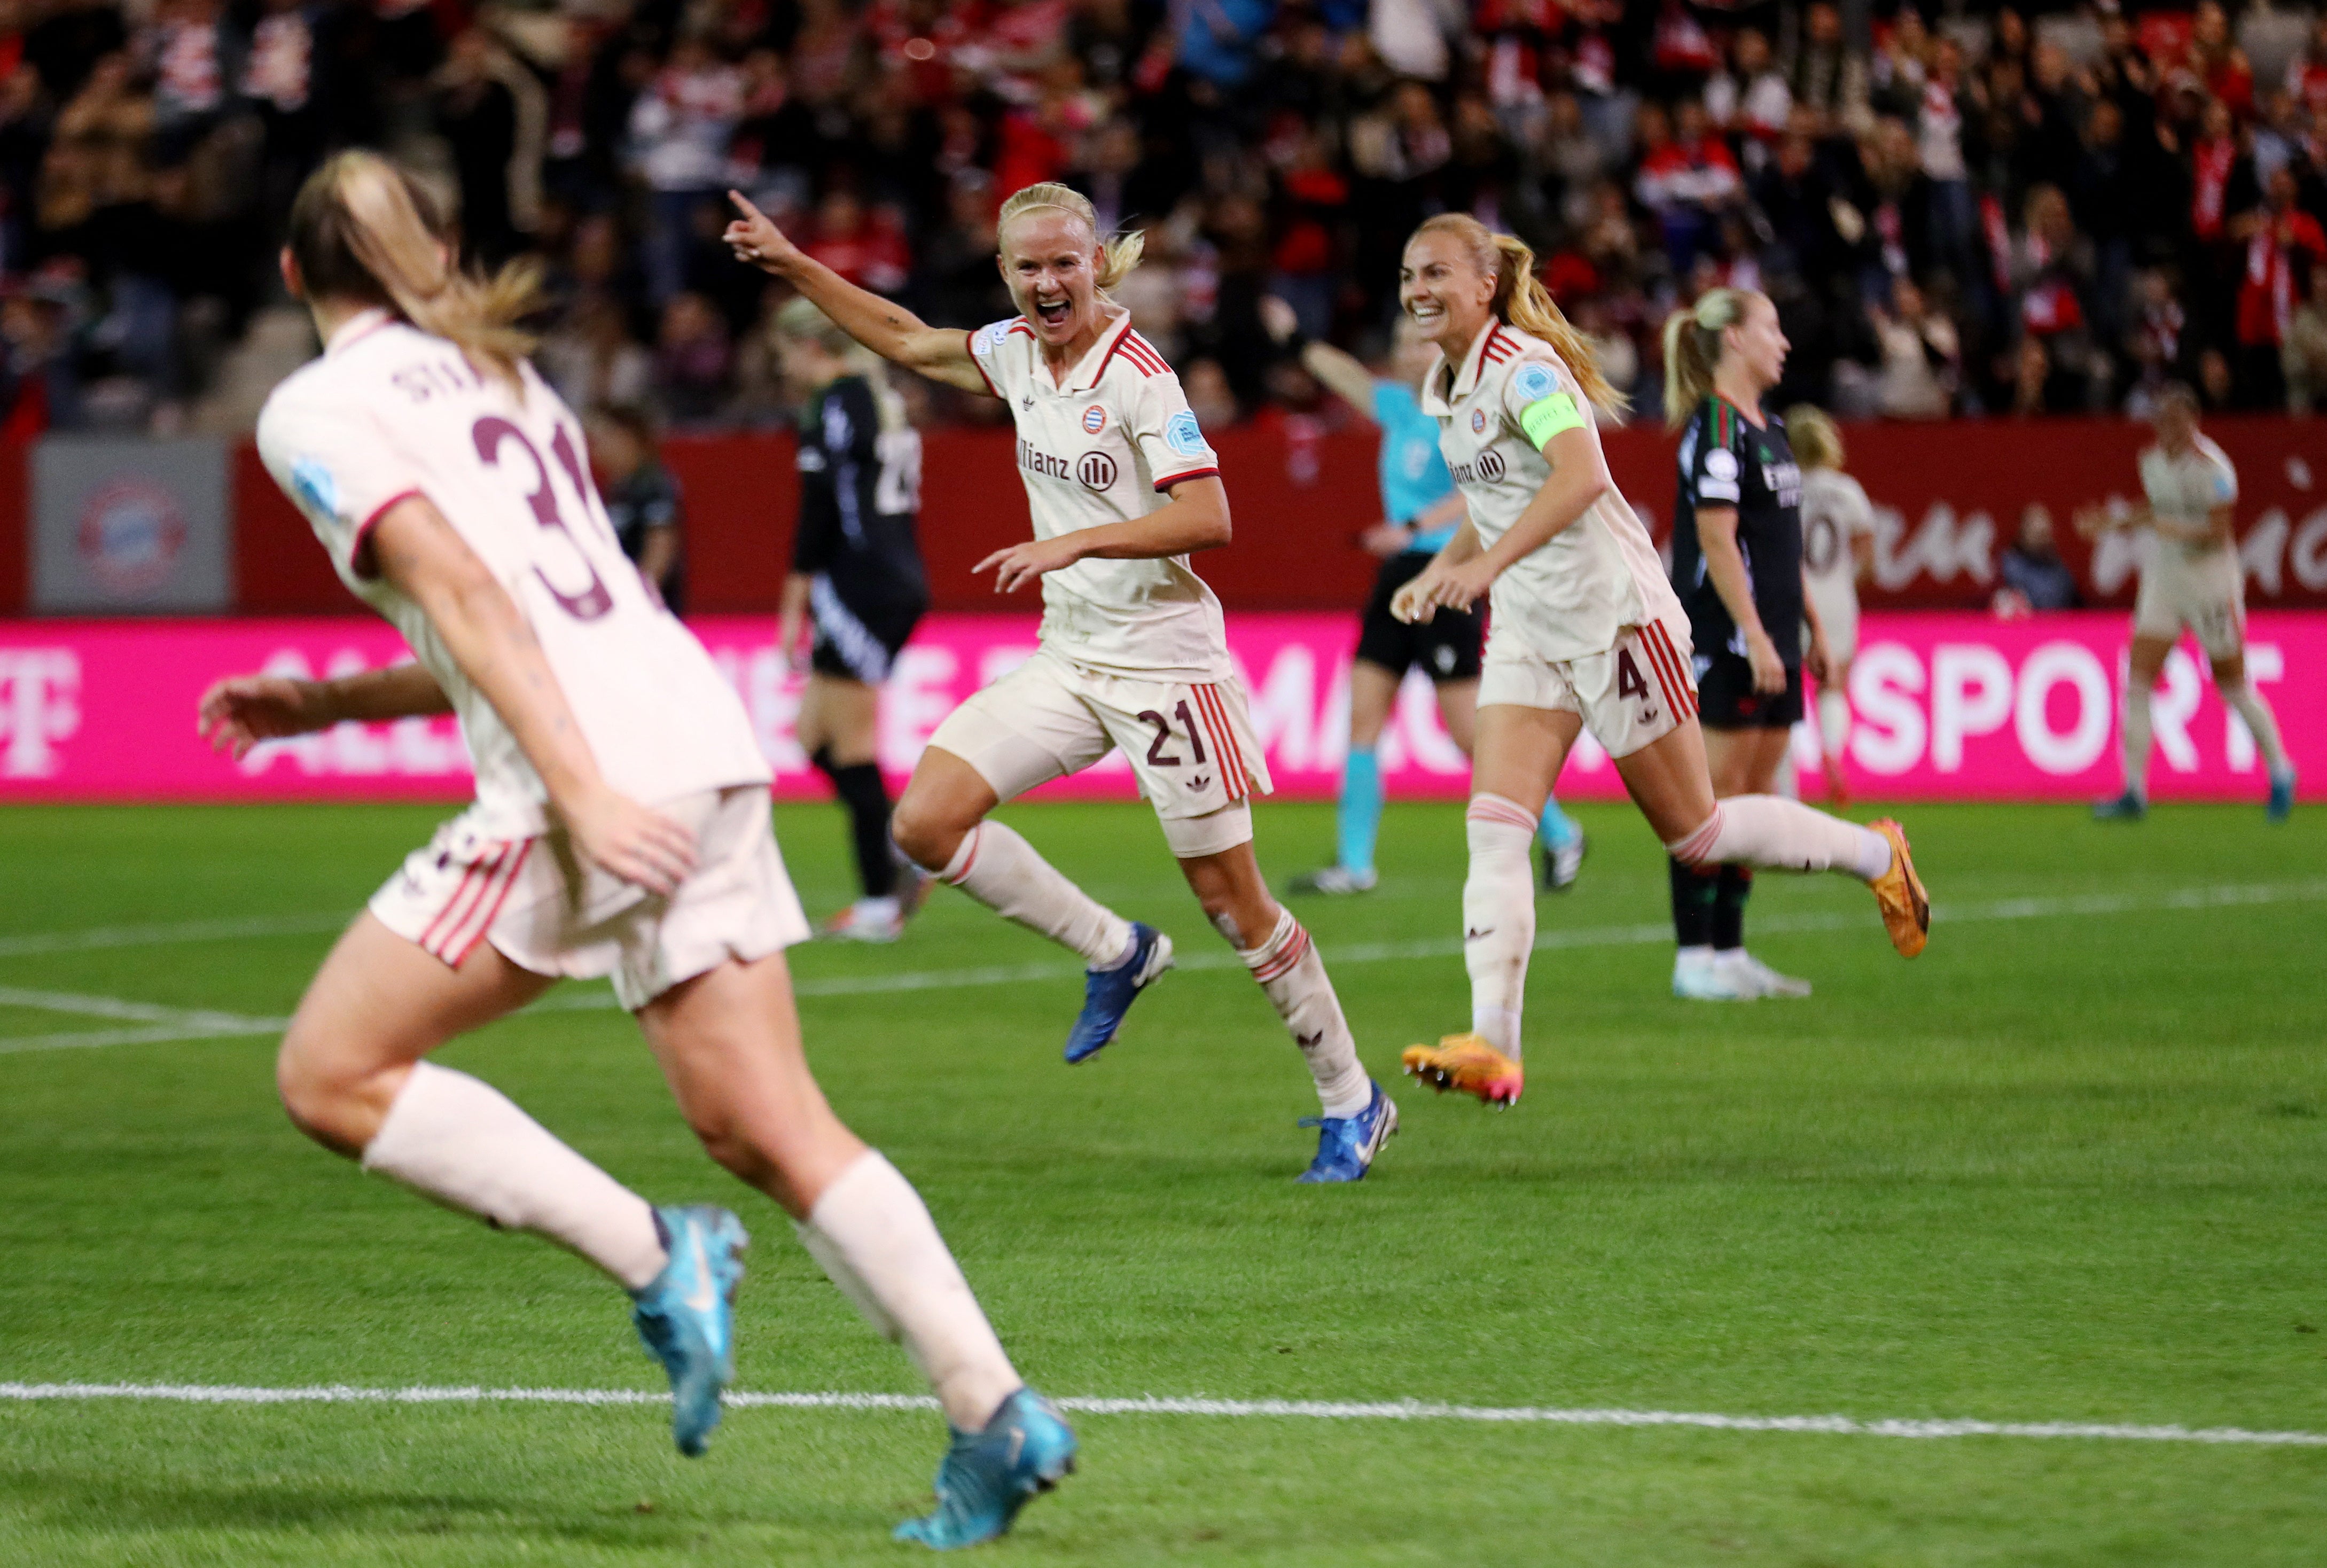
{"x": 1478, "y": 422}
{"x": 1094, "y": 420}
{"x": 1097, "y": 470}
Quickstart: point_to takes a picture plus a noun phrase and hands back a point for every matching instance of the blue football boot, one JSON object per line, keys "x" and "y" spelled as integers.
{"x": 2282, "y": 796}
{"x": 1107, "y": 994}
{"x": 1346, "y": 1145}
{"x": 687, "y": 1316}
{"x": 2125, "y": 807}
{"x": 986, "y": 1477}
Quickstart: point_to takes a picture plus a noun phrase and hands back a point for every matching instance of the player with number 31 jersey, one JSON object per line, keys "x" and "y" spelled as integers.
{"x": 1122, "y": 487}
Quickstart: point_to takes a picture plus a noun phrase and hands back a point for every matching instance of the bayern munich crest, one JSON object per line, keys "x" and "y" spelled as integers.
{"x": 1094, "y": 419}
{"x": 1479, "y": 421}
{"x": 129, "y": 536}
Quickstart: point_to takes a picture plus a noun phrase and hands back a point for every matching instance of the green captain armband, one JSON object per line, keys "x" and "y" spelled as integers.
{"x": 1548, "y": 417}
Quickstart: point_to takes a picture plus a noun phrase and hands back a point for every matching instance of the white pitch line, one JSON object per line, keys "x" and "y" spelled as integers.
{"x": 1247, "y": 1409}
{"x": 593, "y": 999}
{"x": 102, "y": 937}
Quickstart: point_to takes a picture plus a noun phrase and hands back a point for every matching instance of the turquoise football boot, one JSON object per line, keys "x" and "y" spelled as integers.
{"x": 986, "y": 1477}
{"x": 687, "y": 1316}
{"x": 1346, "y": 1145}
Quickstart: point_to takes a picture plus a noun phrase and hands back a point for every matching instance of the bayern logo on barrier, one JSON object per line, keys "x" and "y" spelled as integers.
{"x": 1096, "y": 469}
{"x": 130, "y": 535}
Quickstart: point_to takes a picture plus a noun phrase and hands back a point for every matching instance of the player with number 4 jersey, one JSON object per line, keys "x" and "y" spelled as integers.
{"x": 1122, "y": 487}
{"x": 1586, "y": 631}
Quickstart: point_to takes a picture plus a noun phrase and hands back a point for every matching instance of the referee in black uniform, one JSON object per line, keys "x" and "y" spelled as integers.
{"x": 857, "y": 579}
{"x": 1737, "y": 567}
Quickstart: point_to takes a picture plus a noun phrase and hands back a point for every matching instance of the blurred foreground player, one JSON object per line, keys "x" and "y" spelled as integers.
{"x": 621, "y": 828}
{"x": 1422, "y": 509}
{"x": 1121, "y": 486}
{"x": 1586, "y": 630}
{"x": 857, "y": 573}
{"x": 2192, "y": 578}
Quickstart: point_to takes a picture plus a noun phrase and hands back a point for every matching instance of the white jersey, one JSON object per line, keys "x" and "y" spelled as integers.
{"x": 1102, "y": 447}
{"x": 389, "y": 413}
{"x": 1572, "y": 598}
{"x": 1835, "y": 516}
{"x": 2185, "y": 490}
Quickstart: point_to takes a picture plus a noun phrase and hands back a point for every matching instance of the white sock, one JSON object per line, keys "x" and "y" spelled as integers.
{"x": 1784, "y": 836}
{"x": 1499, "y": 917}
{"x": 465, "y": 1144}
{"x": 2136, "y": 742}
{"x": 873, "y": 1237}
{"x": 2261, "y": 722}
{"x": 1001, "y": 871}
{"x": 1834, "y": 720}
{"x": 1292, "y": 977}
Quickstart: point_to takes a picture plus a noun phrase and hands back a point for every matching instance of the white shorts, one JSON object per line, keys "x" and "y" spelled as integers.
{"x": 543, "y": 911}
{"x": 1192, "y": 747}
{"x": 1837, "y": 612}
{"x": 2207, "y": 593}
{"x": 1631, "y": 696}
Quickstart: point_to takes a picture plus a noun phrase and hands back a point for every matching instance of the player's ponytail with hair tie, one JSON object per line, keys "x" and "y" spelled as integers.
{"x": 1521, "y": 301}
{"x": 1692, "y": 340}
{"x": 1119, "y": 254}
{"x": 363, "y": 229}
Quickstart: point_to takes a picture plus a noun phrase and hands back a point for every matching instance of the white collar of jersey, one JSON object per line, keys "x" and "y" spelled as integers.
{"x": 1466, "y": 380}
{"x": 1093, "y": 364}
{"x": 360, "y": 324}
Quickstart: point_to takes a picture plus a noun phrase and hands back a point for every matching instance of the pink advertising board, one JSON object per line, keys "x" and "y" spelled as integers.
{"x": 1950, "y": 705}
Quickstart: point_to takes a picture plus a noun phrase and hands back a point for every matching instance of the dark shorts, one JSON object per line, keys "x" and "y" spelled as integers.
{"x": 1726, "y": 699}
{"x": 1446, "y": 650}
{"x": 857, "y": 643}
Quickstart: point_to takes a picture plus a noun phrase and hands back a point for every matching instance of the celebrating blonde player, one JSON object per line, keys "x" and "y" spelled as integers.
{"x": 1586, "y": 630}
{"x": 1122, "y": 487}
{"x": 1837, "y": 554}
{"x": 621, "y": 828}
{"x": 2192, "y": 578}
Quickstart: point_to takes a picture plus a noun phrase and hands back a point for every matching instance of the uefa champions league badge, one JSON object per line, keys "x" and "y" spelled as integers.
{"x": 313, "y": 484}
{"x": 1533, "y": 381}
{"x": 1183, "y": 436}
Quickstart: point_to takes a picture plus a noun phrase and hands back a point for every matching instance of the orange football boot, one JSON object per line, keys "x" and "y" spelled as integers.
{"x": 1468, "y": 1063}
{"x": 1906, "y": 908}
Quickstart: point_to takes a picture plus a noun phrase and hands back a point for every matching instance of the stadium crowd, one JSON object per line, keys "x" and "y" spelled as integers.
{"x": 1983, "y": 210}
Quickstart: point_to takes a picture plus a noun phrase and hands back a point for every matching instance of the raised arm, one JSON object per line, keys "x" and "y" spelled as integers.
{"x": 883, "y": 326}
{"x": 1341, "y": 375}
{"x": 416, "y": 549}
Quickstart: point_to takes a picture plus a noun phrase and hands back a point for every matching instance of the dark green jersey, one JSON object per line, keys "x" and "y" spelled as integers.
{"x": 1727, "y": 460}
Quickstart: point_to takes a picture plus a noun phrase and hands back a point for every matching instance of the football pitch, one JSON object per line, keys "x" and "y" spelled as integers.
{"x": 2061, "y": 1181}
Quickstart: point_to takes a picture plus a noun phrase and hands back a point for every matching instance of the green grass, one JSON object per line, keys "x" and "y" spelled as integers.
{"x": 2062, "y": 1168}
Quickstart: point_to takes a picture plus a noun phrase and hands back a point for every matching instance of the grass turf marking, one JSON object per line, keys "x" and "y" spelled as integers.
{"x": 36, "y": 943}
{"x": 168, "y": 1025}
{"x": 1294, "y": 1409}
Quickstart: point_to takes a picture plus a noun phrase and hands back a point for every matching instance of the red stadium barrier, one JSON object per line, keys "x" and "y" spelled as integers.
{"x": 1951, "y": 706}
{"x": 1948, "y": 498}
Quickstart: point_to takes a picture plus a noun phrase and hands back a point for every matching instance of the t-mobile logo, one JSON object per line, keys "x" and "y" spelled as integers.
{"x": 40, "y": 688}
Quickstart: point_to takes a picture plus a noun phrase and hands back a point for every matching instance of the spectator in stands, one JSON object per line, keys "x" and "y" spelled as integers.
{"x": 692, "y": 362}
{"x": 679, "y": 129}
{"x": 2286, "y": 259}
{"x": 2035, "y": 578}
{"x": 1825, "y": 75}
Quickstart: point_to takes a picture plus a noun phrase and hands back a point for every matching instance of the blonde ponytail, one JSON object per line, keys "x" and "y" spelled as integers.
{"x": 1693, "y": 347}
{"x": 1817, "y": 444}
{"x": 1521, "y": 301}
{"x": 1119, "y": 254}
{"x": 361, "y": 228}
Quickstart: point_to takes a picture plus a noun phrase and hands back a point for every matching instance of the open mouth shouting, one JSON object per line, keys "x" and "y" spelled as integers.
{"x": 1054, "y": 313}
